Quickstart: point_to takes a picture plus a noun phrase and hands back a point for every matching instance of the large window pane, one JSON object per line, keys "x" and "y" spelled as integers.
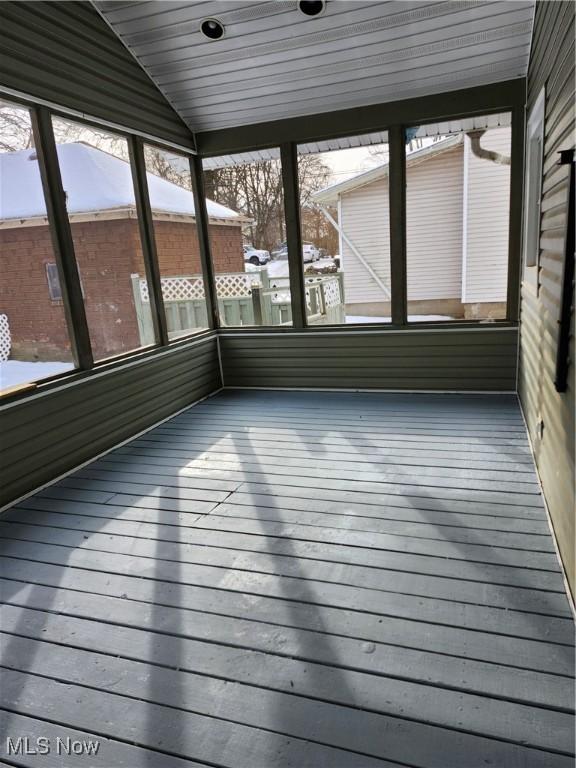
{"x": 344, "y": 213}
{"x": 178, "y": 251}
{"x": 34, "y": 340}
{"x": 97, "y": 179}
{"x": 457, "y": 217}
{"x": 247, "y": 233}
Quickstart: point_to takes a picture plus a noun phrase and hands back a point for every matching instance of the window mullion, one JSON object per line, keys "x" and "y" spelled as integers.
{"x": 146, "y": 225}
{"x": 202, "y": 224}
{"x": 289, "y": 160}
{"x": 61, "y": 235}
{"x": 397, "y": 201}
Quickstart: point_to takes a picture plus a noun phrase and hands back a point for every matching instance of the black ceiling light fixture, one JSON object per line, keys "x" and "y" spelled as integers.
{"x": 212, "y": 29}
{"x": 312, "y": 7}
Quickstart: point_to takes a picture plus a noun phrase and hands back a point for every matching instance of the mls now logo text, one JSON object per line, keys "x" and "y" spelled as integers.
{"x": 23, "y": 745}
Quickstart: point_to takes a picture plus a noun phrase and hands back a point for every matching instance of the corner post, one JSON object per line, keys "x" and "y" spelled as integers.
{"x": 146, "y": 226}
{"x": 61, "y": 234}
{"x": 516, "y": 211}
{"x": 397, "y": 201}
{"x": 202, "y": 228}
{"x": 289, "y": 161}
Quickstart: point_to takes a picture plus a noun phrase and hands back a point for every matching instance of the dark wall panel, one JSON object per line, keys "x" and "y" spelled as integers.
{"x": 65, "y": 53}
{"x": 49, "y": 433}
{"x": 552, "y": 67}
{"x": 450, "y": 359}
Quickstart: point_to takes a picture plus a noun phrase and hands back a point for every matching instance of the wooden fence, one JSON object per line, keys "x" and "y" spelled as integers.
{"x": 244, "y": 298}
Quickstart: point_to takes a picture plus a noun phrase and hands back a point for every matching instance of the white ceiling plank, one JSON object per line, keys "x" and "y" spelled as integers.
{"x": 286, "y": 72}
{"x": 370, "y": 43}
{"x": 357, "y": 79}
{"x": 438, "y": 15}
{"x": 319, "y": 98}
{"x": 275, "y": 63}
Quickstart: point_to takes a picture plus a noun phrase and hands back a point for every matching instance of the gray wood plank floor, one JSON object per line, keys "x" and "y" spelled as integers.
{"x": 302, "y": 580}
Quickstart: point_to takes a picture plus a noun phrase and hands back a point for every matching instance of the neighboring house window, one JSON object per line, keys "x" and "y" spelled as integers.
{"x": 53, "y": 278}
{"x": 54, "y": 288}
{"x": 533, "y": 193}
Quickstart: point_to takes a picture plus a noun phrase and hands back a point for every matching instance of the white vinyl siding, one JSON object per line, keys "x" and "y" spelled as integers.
{"x": 366, "y": 223}
{"x": 487, "y": 219}
{"x": 434, "y": 202}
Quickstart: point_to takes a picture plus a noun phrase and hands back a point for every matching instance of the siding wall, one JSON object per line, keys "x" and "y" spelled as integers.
{"x": 487, "y": 220}
{"x": 366, "y": 222}
{"x": 473, "y": 359}
{"x": 552, "y": 66}
{"x": 49, "y": 433}
{"x": 65, "y": 53}
{"x": 434, "y": 192}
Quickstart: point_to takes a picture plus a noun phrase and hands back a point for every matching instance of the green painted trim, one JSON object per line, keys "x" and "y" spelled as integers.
{"x": 203, "y": 229}
{"x": 516, "y": 211}
{"x": 148, "y": 241}
{"x": 397, "y": 203}
{"x": 496, "y": 97}
{"x": 289, "y": 160}
{"x": 61, "y": 234}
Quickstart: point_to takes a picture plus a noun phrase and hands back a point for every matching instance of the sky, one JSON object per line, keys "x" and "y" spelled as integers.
{"x": 346, "y": 163}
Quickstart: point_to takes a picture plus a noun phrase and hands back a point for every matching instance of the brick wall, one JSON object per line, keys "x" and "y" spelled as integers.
{"x": 108, "y": 252}
{"x": 37, "y": 324}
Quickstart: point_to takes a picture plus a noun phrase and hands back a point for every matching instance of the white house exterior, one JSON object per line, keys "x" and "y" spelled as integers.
{"x": 457, "y": 231}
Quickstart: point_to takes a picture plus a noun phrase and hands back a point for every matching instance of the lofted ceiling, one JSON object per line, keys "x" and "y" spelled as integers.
{"x": 273, "y": 62}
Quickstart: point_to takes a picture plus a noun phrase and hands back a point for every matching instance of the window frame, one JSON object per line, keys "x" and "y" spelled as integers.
{"x": 534, "y": 178}
{"x": 41, "y": 115}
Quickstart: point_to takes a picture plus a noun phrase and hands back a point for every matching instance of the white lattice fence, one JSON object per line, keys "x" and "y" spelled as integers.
{"x": 5, "y": 338}
{"x": 229, "y": 286}
{"x": 332, "y": 293}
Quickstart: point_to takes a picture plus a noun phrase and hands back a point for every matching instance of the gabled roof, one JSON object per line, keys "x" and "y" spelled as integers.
{"x": 95, "y": 181}
{"x": 331, "y": 194}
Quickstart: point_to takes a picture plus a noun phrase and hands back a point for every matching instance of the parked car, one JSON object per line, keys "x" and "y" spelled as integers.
{"x": 255, "y": 256}
{"x": 309, "y": 252}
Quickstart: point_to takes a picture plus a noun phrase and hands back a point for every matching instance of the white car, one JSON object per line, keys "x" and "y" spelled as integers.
{"x": 309, "y": 252}
{"x": 255, "y": 256}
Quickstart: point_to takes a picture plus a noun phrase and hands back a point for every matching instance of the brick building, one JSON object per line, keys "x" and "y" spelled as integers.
{"x": 103, "y": 218}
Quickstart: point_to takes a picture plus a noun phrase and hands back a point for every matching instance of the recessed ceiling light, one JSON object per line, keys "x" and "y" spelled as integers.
{"x": 212, "y": 29}
{"x": 312, "y": 7}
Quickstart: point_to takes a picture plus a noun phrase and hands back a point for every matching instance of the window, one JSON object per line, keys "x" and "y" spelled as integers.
{"x": 100, "y": 199}
{"x": 245, "y": 204}
{"x": 534, "y": 158}
{"x": 54, "y": 288}
{"x": 34, "y": 337}
{"x": 176, "y": 236}
{"x": 344, "y": 215}
{"x": 457, "y": 219}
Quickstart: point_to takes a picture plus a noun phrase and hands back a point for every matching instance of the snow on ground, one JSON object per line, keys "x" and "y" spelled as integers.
{"x": 357, "y": 319}
{"x": 15, "y": 372}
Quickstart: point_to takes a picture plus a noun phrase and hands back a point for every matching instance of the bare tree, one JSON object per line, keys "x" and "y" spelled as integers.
{"x": 15, "y": 129}
{"x": 255, "y": 190}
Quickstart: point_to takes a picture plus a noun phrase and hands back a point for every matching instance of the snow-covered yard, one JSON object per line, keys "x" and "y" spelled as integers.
{"x": 358, "y": 319}
{"x": 15, "y": 372}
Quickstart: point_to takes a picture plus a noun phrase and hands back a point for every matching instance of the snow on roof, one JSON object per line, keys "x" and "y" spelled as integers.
{"x": 94, "y": 181}
{"x": 330, "y": 194}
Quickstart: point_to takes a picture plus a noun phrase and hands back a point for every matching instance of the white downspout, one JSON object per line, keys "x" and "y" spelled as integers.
{"x": 465, "y": 218}
{"x": 340, "y": 239}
